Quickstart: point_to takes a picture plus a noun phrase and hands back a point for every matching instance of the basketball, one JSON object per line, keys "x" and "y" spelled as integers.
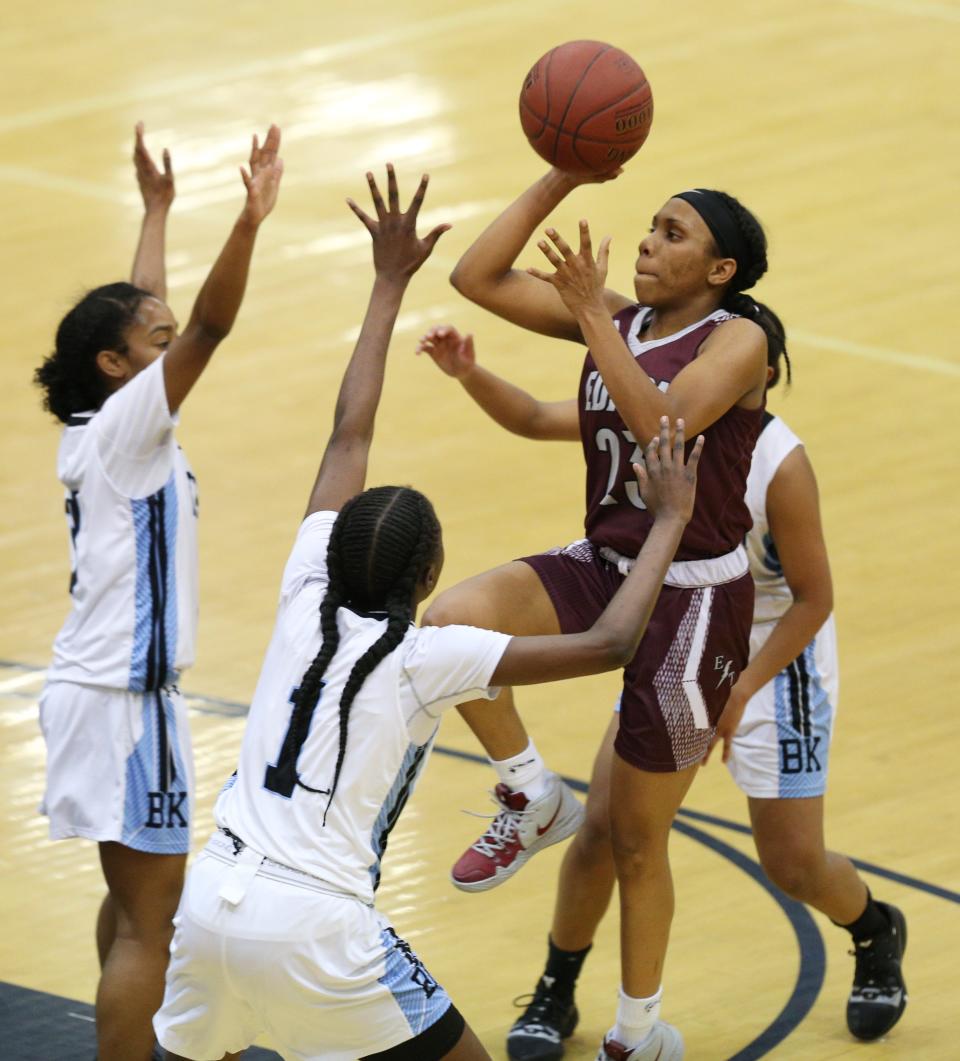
{"x": 586, "y": 107}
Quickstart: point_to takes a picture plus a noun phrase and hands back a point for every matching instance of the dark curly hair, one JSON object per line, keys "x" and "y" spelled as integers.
{"x": 69, "y": 377}
{"x": 381, "y": 546}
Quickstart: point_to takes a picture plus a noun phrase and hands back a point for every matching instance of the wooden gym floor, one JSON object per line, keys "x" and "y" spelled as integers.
{"x": 837, "y": 122}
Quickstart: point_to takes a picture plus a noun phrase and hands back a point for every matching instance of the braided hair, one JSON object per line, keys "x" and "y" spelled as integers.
{"x": 381, "y": 546}
{"x": 69, "y": 377}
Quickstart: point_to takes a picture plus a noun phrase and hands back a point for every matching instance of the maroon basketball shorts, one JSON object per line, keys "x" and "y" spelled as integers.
{"x": 695, "y": 645}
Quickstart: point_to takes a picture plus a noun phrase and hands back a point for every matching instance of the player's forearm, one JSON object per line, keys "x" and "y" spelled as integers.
{"x": 639, "y": 401}
{"x": 221, "y": 296}
{"x": 624, "y": 620}
{"x": 491, "y": 256}
{"x": 362, "y": 383}
{"x": 505, "y": 403}
{"x": 149, "y": 270}
{"x": 794, "y": 630}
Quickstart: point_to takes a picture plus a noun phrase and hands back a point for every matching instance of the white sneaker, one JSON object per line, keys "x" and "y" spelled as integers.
{"x": 520, "y": 829}
{"x": 664, "y": 1043}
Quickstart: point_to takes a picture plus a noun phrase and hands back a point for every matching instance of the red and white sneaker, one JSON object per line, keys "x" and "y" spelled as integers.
{"x": 664, "y": 1043}
{"x": 521, "y": 829}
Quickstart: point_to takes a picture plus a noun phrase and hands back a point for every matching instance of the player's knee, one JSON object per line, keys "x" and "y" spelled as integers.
{"x": 145, "y": 912}
{"x": 793, "y": 869}
{"x": 637, "y": 854}
{"x": 592, "y": 842}
{"x": 150, "y": 929}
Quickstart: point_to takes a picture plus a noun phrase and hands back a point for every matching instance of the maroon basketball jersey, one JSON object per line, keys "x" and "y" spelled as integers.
{"x": 616, "y": 516}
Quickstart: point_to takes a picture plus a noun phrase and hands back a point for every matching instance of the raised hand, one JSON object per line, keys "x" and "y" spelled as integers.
{"x": 262, "y": 180}
{"x": 579, "y": 279}
{"x": 451, "y": 351}
{"x": 668, "y": 485}
{"x": 156, "y": 188}
{"x": 398, "y": 252}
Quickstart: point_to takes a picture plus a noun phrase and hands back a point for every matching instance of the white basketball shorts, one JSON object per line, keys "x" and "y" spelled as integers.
{"x": 321, "y": 972}
{"x": 782, "y": 747}
{"x": 119, "y": 766}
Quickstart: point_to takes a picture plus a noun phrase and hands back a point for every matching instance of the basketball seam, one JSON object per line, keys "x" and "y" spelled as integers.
{"x": 582, "y": 139}
{"x": 546, "y": 123}
{"x": 525, "y": 104}
{"x": 613, "y": 103}
{"x": 586, "y": 70}
{"x": 588, "y": 140}
{"x": 546, "y": 95}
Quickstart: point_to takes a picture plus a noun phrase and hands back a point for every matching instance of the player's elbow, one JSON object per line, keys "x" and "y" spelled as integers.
{"x": 462, "y": 282}
{"x": 350, "y": 437}
{"x": 822, "y": 605}
{"x": 473, "y": 283}
{"x": 613, "y": 648}
{"x": 817, "y": 598}
{"x": 211, "y": 332}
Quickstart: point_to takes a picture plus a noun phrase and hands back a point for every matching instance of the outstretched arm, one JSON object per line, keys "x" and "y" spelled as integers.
{"x": 397, "y": 254}
{"x": 157, "y": 190}
{"x": 486, "y": 274}
{"x": 219, "y": 300}
{"x": 667, "y": 486}
{"x": 511, "y": 407}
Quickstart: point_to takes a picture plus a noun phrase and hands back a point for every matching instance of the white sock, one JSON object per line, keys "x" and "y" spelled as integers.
{"x": 636, "y": 1018}
{"x": 526, "y": 772}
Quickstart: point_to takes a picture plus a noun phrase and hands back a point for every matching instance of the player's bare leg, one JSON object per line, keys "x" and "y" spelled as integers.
{"x": 145, "y": 889}
{"x": 537, "y": 808}
{"x": 640, "y": 821}
{"x": 585, "y": 887}
{"x": 511, "y": 599}
{"x": 588, "y": 873}
{"x": 106, "y": 928}
{"x": 789, "y": 838}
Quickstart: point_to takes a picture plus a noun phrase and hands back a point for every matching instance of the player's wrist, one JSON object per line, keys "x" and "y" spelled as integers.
{"x": 592, "y": 312}
{"x": 558, "y": 184}
{"x": 248, "y": 223}
{"x": 670, "y": 522}
{"x": 467, "y": 375}
{"x": 390, "y": 284}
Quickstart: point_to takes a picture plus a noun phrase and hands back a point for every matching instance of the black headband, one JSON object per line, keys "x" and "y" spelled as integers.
{"x": 723, "y": 226}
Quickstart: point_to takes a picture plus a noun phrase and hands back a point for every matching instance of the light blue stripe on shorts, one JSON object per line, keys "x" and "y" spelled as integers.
{"x": 157, "y": 805}
{"x": 420, "y": 998}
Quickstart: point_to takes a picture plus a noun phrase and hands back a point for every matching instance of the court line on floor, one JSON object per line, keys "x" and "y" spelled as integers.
{"x": 208, "y": 705}
{"x": 308, "y": 59}
{"x": 813, "y": 956}
{"x": 911, "y": 7}
{"x": 900, "y": 358}
{"x": 813, "y": 959}
{"x": 868, "y": 867}
{"x": 812, "y": 970}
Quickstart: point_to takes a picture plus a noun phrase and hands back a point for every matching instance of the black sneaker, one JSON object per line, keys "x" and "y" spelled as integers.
{"x": 538, "y": 1034}
{"x": 879, "y": 994}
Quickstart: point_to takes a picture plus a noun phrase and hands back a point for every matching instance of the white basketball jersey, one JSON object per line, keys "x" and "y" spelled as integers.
{"x": 131, "y": 507}
{"x": 775, "y": 443}
{"x": 392, "y": 724}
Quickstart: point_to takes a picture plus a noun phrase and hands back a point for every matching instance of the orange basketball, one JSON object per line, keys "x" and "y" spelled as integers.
{"x": 586, "y": 107}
